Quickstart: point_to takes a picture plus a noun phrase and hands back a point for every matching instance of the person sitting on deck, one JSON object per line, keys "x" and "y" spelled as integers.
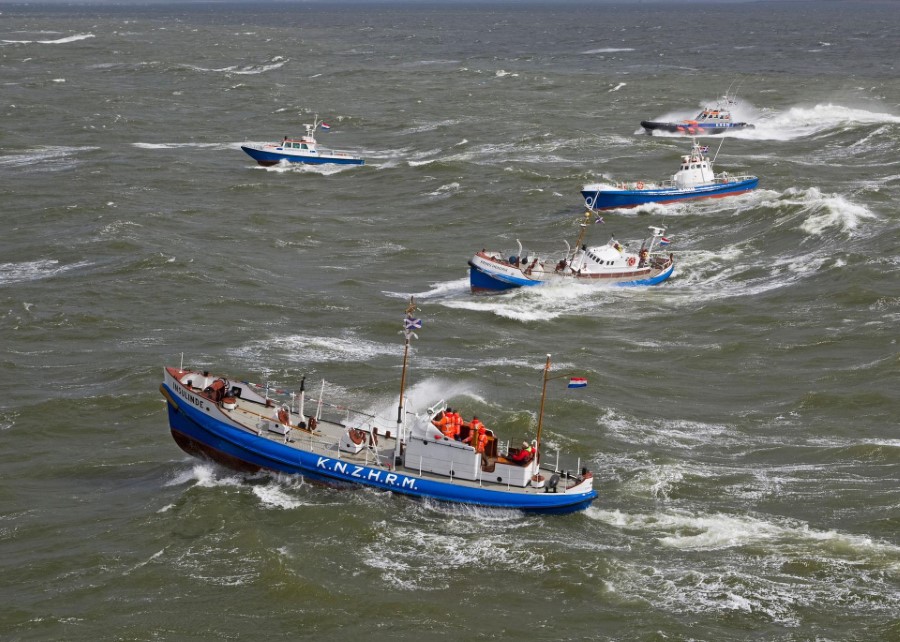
{"x": 524, "y": 455}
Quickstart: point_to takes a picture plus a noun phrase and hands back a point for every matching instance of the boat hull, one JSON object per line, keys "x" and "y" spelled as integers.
{"x": 271, "y": 156}
{"x": 485, "y": 277}
{"x": 694, "y": 129}
{"x": 614, "y": 199}
{"x": 200, "y": 434}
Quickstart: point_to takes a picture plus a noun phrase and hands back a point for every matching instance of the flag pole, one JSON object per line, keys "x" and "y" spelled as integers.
{"x": 540, "y": 426}
{"x": 537, "y": 447}
{"x": 409, "y": 323}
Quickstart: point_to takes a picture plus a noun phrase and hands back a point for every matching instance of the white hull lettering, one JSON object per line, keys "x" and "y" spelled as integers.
{"x": 360, "y": 472}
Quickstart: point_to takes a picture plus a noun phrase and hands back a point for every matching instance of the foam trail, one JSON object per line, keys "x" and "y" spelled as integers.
{"x": 60, "y": 41}
{"x": 702, "y": 532}
{"x": 800, "y": 122}
{"x": 603, "y": 50}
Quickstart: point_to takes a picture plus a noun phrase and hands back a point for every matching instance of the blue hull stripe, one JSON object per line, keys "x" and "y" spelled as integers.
{"x": 611, "y": 199}
{"x": 480, "y": 280}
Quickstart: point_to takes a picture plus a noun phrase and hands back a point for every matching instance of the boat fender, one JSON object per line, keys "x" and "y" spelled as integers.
{"x": 313, "y": 422}
{"x": 640, "y": 185}
{"x": 631, "y": 261}
{"x": 283, "y": 417}
{"x": 552, "y": 483}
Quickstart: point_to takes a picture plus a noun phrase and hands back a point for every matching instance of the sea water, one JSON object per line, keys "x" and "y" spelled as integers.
{"x": 740, "y": 419}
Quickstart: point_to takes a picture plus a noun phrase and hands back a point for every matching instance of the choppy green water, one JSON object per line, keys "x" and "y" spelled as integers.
{"x": 741, "y": 418}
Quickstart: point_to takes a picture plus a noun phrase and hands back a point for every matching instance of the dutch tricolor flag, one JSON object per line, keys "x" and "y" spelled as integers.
{"x": 577, "y": 382}
{"x": 663, "y": 241}
{"x": 325, "y": 126}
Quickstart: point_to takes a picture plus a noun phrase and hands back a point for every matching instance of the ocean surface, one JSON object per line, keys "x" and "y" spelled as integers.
{"x": 741, "y": 419}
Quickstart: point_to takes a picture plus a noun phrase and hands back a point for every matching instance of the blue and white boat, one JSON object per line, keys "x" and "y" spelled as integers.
{"x": 709, "y": 121}
{"x": 609, "y": 264}
{"x": 300, "y": 150}
{"x": 694, "y": 179}
{"x": 251, "y": 428}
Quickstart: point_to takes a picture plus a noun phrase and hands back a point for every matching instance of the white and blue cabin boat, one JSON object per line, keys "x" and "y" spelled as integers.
{"x": 493, "y": 271}
{"x": 709, "y": 121}
{"x": 694, "y": 179}
{"x": 299, "y": 150}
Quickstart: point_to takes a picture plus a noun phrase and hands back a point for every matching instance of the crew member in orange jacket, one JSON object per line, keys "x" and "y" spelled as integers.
{"x": 477, "y": 437}
{"x": 446, "y": 424}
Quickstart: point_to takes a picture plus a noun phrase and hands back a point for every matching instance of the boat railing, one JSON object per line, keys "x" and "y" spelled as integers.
{"x": 724, "y": 178}
{"x": 332, "y": 445}
{"x": 325, "y": 151}
{"x": 547, "y": 259}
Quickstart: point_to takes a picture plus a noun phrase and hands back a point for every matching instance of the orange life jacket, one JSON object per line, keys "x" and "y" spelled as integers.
{"x": 456, "y": 423}
{"x": 446, "y": 425}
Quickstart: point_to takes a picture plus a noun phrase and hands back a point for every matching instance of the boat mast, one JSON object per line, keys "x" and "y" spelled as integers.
{"x": 540, "y": 426}
{"x": 580, "y": 240}
{"x": 537, "y": 446}
{"x": 409, "y": 324}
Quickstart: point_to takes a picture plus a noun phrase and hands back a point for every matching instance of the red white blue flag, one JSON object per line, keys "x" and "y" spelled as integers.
{"x": 325, "y": 126}
{"x": 704, "y": 149}
{"x": 577, "y": 382}
{"x": 663, "y": 241}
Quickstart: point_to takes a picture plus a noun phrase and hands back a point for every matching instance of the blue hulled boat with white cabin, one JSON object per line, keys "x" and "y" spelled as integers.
{"x": 609, "y": 264}
{"x": 694, "y": 179}
{"x": 251, "y": 428}
{"x": 304, "y": 149}
{"x": 710, "y": 121}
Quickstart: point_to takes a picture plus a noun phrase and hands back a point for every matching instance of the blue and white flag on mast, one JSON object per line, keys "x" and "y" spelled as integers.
{"x": 410, "y": 324}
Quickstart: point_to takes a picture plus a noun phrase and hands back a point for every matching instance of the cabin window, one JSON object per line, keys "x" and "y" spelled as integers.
{"x": 304, "y": 146}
